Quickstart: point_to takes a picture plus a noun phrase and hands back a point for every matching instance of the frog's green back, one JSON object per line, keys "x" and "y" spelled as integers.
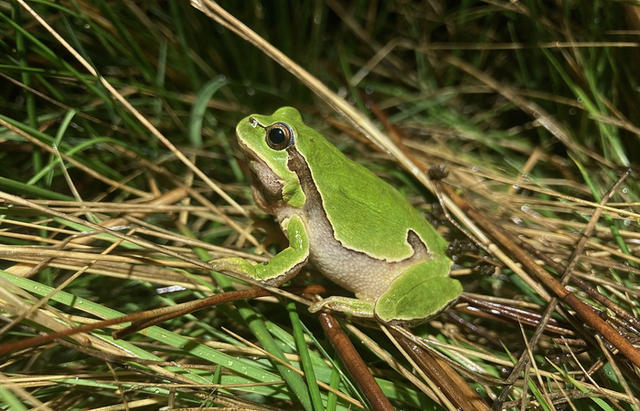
{"x": 367, "y": 213}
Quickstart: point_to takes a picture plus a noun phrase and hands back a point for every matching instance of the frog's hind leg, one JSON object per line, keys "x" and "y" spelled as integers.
{"x": 421, "y": 292}
{"x": 353, "y": 306}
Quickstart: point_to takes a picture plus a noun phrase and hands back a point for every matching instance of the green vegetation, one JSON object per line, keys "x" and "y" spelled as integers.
{"x": 532, "y": 106}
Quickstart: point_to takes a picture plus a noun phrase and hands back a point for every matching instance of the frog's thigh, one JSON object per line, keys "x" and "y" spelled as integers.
{"x": 419, "y": 293}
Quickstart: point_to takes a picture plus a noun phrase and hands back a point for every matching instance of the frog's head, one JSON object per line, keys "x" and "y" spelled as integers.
{"x": 267, "y": 141}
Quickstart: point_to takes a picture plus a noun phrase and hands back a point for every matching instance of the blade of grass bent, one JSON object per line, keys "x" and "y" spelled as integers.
{"x": 156, "y": 333}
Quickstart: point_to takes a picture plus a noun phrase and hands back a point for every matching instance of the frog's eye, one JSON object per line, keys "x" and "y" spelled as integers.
{"x": 279, "y": 136}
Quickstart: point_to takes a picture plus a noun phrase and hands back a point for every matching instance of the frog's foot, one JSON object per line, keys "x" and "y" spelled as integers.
{"x": 353, "y": 306}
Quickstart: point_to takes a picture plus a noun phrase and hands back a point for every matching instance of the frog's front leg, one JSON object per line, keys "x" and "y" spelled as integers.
{"x": 418, "y": 294}
{"x": 282, "y": 267}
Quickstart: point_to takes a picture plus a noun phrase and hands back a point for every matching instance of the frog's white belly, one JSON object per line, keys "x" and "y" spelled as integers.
{"x": 366, "y": 276}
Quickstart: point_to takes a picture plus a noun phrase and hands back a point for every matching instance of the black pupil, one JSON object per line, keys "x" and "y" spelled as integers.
{"x": 277, "y": 136}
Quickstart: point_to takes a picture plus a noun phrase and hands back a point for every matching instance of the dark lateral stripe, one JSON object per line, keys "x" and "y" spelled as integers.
{"x": 315, "y": 204}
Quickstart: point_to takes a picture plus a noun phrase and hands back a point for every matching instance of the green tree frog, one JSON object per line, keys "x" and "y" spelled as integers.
{"x": 358, "y": 230}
